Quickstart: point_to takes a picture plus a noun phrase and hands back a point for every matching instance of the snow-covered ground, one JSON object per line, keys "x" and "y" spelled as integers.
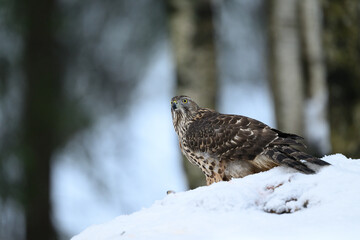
{"x": 277, "y": 204}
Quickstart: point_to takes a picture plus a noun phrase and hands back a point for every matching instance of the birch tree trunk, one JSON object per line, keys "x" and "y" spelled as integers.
{"x": 192, "y": 35}
{"x": 317, "y": 130}
{"x": 297, "y": 71}
{"x": 285, "y": 65}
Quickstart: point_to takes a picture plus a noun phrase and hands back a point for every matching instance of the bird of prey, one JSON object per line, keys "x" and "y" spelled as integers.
{"x": 228, "y": 146}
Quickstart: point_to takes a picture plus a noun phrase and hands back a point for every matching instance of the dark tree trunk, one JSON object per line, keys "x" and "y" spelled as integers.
{"x": 192, "y": 35}
{"x": 342, "y": 48}
{"x": 42, "y": 91}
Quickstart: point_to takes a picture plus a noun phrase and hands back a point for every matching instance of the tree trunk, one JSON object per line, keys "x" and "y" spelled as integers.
{"x": 317, "y": 131}
{"x": 285, "y": 65}
{"x": 41, "y": 107}
{"x": 192, "y": 35}
{"x": 342, "y": 44}
{"x": 297, "y": 71}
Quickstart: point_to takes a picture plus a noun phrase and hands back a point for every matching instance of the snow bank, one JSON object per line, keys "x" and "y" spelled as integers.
{"x": 279, "y": 203}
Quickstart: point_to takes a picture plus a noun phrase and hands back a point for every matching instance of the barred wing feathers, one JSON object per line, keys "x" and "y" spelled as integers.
{"x": 239, "y": 138}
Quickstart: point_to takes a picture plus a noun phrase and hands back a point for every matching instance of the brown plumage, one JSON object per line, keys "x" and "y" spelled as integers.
{"x": 232, "y": 146}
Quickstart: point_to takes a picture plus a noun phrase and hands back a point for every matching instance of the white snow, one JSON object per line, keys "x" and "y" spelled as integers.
{"x": 320, "y": 206}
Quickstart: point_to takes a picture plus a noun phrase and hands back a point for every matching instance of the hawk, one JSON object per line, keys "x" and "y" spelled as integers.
{"x": 228, "y": 146}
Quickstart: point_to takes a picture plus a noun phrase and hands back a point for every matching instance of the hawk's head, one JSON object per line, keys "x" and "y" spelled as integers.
{"x": 182, "y": 109}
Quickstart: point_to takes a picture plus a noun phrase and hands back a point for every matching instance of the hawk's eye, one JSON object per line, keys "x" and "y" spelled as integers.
{"x": 184, "y": 101}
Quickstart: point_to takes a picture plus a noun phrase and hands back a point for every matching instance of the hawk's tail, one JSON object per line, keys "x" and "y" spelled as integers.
{"x": 291, "y": 157}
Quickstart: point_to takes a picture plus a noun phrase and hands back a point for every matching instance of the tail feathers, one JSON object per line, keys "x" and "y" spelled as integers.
{"x": 301, "y": 167}
{"x": 318, "y": 161}
{"x": 298, "y": 155}
{"x": 288, "y": 156}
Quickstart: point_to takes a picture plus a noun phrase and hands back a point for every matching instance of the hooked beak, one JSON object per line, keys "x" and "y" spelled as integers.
{"x": 174, "y": 105}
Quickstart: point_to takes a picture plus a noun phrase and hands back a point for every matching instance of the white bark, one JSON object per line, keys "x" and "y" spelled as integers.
{"x": 317, "y": 126}
{"x": 285, "y": 66}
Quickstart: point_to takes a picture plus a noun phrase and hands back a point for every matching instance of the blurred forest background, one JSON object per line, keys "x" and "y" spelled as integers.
{"x": 85, "y": 89}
